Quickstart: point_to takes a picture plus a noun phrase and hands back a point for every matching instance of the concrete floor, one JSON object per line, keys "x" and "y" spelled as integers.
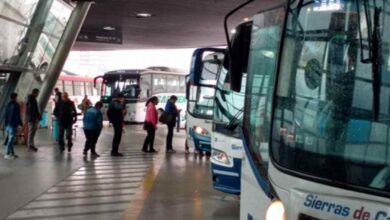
{"x": 48, "y": 185}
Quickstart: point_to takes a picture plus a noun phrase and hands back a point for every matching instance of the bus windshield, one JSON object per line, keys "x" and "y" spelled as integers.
{"x": 228, "y": 106}
{"x": 331, "y": 119}
{"x": 201, "y": 97}
{"x": 128, "y": 86}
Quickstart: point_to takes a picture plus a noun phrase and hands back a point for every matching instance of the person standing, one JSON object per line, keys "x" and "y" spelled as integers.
{"x": 116, "y": 118}
{"x": 85, "y": 104}
{"x": 150, "y": 124}
{"x": 66, "y": 114}
{"x": 93, "y": 124}
{"x": 12, "y": 121}
{"x": 33, "y": 117}
{"x": 57, "y": 95}
{"x": 171, "y": 109}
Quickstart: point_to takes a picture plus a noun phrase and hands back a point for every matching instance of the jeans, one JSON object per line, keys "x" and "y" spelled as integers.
{"x": 117, "y": 137}
{"x": 69, "y": 132}
{"x": 92, "y": 137}
{"x": 11, "y": 135}
{"x": 149, "y": 140}
{"x": 170, "y": 136}
{"x": 32, "y": 129}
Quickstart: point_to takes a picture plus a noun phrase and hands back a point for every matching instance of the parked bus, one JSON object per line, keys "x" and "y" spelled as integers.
{"x": 77, "y": 87}
{"x": 138, "y": 85}
{"x": 316, "y": 128}
{"x": 205, "y": 67}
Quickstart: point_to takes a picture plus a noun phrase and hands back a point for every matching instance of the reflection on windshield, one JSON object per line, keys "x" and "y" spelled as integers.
{"x": 327, "y": 122}
{"x": 128, "y": 87}
{"x": 228, "y": 108}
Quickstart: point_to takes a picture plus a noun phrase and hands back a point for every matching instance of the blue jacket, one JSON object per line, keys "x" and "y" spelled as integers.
{"x": 12, "y": 114}
{"x": 93, "y": 119}
{"x": 170, "y": 108}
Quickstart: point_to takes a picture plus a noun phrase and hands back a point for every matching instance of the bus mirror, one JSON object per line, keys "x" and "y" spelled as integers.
{"x": 238, "y": 55}
{"x": 313, "y": 72}
{"x": 197, "y": 63}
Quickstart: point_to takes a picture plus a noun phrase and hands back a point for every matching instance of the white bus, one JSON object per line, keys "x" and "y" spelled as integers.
{"x": 138, "y": 85}
{"x": 316, "y": 117}
{"x": 205, "y": 67}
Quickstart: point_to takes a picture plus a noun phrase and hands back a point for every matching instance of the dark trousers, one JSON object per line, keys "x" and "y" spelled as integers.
{"x": 170, "y": 136}
{"x": 117, "y": 137}
{"x": 69, "y": 132}
{"x": 149, "y": 140}
{"x": 92, "y": 137}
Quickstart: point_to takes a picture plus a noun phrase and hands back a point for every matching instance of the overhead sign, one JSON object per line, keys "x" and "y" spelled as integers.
{"x": 97, "y": 36}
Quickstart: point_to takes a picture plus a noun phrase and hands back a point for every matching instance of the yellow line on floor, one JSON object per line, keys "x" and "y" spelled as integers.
{"x": 138, "y": 201}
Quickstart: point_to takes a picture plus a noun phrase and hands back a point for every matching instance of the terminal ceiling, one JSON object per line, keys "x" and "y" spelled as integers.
{"x": 174, "y": 24}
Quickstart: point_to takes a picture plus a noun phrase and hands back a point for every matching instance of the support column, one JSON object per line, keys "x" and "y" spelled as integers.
{"x": 32, "y": 38}
{"x": 68, "y": 38}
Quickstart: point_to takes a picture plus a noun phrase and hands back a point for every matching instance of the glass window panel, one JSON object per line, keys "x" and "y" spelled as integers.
{"x": 3, "y": 81}
{"x": 44, "y": 51}
{"x": 20, "y": 10}
{"x": 57, "y": 18}
{"x": 159, "y": 84}
{"x": 12, "y": 44}
{"x": 88, "y": 88}
{"x": 146, "y": 87}
{"x": 262, "y": 62}
{"x": 324, "y": 118}
{"x": 79, "y": 88}
{"x": 68, "y": 87}
{"x": 173, "y": 84}
{"x": 182, "y": 84}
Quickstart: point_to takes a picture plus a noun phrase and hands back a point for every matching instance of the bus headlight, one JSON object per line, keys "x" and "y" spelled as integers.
{"x": 276, "y": 211}
{"x": 201, "y": 131}
{"x": 220, "y": 156}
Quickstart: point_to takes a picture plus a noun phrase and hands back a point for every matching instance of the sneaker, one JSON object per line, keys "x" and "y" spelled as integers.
{"x": 85, "y": 153}
{"x": 69, "y": 149}
{"x": 9, "y": 157}
{"x": 145, "y": 151}
{"x": 153, "y": 151}
{"x": 16, "y": 156}
{"x": 32, "y": 149}
{"x": 187, "y": 151}
{"x": 95, "y": 154}
{"x": 171, "y": 151}
{"x": 116, "y": 154}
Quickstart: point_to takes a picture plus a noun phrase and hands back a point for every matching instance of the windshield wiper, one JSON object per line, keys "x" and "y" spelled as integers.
{"x": 374, "y": 52}
{"x": 376, "y": 63}
{"x": 233, "y": 122}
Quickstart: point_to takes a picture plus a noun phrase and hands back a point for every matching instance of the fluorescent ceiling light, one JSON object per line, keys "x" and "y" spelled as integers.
{"x": 143, "y": 15}
{"x": 109, "y": 28}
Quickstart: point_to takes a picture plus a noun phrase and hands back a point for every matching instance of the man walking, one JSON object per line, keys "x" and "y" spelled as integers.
{"x": 33, "y": 117}
{"x": 115, "y": 115}
{"x": 12, "y": 121}
{"x": 66, "y": 114}
{"x": 93, "y": 124}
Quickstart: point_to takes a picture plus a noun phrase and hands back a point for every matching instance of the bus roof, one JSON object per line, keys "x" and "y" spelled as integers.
{"x": 75, "y": 78}
{"x": 151, "y": 70}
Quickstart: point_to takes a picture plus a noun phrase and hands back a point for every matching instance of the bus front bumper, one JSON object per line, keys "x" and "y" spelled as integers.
{"x": 201, "y": 142}
{"x": 227, "y": 179}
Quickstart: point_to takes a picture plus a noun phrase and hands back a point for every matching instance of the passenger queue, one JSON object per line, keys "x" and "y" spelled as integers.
{"x": 65, "y": 114}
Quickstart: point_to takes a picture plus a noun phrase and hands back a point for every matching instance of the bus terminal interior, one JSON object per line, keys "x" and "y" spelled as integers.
{"x": 283, "y": 113}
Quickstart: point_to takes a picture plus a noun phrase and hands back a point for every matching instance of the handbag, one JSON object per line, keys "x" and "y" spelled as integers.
{"x": 165, "y": 118}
